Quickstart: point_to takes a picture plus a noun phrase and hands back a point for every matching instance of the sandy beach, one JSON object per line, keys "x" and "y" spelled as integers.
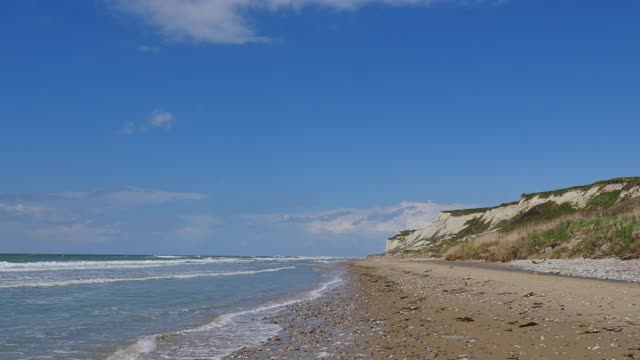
{"x": 406, "y": 309}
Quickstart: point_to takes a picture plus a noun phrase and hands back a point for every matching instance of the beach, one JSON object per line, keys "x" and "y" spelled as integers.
{"x": 408, "y": 309}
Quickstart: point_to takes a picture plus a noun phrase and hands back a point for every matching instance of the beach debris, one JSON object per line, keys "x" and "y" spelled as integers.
{"x": 465, "y": 319}
{"x": 529, "y": 324}
{"x": 613, "y": 329}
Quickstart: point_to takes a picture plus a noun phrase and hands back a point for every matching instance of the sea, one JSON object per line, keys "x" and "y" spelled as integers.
{"x": 149, "y": 306}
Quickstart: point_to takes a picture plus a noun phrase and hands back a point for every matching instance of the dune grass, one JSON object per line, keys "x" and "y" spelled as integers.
{"x": 614, "y": 231}
{"x": 628, "y": 182}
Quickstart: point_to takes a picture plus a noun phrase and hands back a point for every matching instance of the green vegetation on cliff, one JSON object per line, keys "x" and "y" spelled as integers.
{"x": 462, "y": 212}
{"x": 597, "y": 220}
{"x": 628, "y": 183}
{"x": 614, "y": 232}
{"x": 402, "y": 234}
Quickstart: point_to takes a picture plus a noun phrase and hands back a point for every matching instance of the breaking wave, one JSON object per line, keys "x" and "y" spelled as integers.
{"x": 70, "y": 282}
{"x": 119, "y": 264}
{"x": 168, "y": 260}
{"x": 222, "y": 336}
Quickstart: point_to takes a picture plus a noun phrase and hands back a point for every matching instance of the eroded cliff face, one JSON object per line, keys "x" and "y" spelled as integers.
{"x": 460, "y": 225}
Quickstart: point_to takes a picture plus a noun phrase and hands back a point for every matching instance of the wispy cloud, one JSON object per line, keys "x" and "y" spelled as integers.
{"x": 381, "y": 220}
{"x": 75, "y": 232}
{"x": 131, "y": 196}
{"x": 157, "y": 119}
{"x": 128, "y": 128}
{"x": 102, "y": 215}
{"x": 21, "y": 210}
{"x": 32, "y": 213}
{"x": 50, "y": 223}
{"x": 198, "y": 227}
{"x": 163, "y": 119}
{"x": 226, "y": 21}
{"x": 148, "y": 49}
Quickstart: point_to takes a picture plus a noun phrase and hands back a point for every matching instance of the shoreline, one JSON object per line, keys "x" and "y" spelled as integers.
{"x": 606, "y": 270}
{"x": 428, "y": 310}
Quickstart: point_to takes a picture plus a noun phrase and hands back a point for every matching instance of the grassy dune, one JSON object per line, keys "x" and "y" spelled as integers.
{"x": 593, "y": 233}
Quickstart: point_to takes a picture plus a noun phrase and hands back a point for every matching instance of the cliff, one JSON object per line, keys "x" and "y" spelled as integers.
{"x": 458, "y": 226}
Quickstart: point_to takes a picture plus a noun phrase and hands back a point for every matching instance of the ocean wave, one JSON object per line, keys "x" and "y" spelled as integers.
{"x": 133, "y": 352}
{"x": 168, "y": 260}
{"x": 251, "y": 336}
{"x": 228, "y": 318}
{"x": 116, "y": 264}
{"x": 70, "y": 282}
{"x": 301, "y": 258}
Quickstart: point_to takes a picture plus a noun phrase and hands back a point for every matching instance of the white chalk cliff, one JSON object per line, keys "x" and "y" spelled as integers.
{"x": 464, "y": 224}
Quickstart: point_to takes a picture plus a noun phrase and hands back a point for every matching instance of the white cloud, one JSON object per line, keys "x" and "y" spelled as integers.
{"x": 132, "y": 196}
{"x": 382, "y": 220}
{"x": 21, "y": 210}
{"x": 102, "y": 215}
{"x": 29, "y": 214}
{"x": 226, "y": 21}
{"x": 198, "y": 227}
{"x": 162, "y": 119}
{"x": 76, "y": 232}
{"x": 158, "y": 119}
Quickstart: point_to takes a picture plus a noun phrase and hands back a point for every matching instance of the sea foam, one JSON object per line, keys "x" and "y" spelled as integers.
{"x": 118, "y": 264}
{"x": 69, "y": 282}
{"x": 223, "y": 325}
{"x": 135, "y": 351}
{"x": 168, "y": 260}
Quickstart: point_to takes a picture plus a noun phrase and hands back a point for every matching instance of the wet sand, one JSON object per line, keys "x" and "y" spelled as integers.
{"x": 402, "y": 309}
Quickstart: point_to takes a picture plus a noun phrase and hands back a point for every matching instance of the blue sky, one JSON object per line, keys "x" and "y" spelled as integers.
{"x": 316, "y": 127}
